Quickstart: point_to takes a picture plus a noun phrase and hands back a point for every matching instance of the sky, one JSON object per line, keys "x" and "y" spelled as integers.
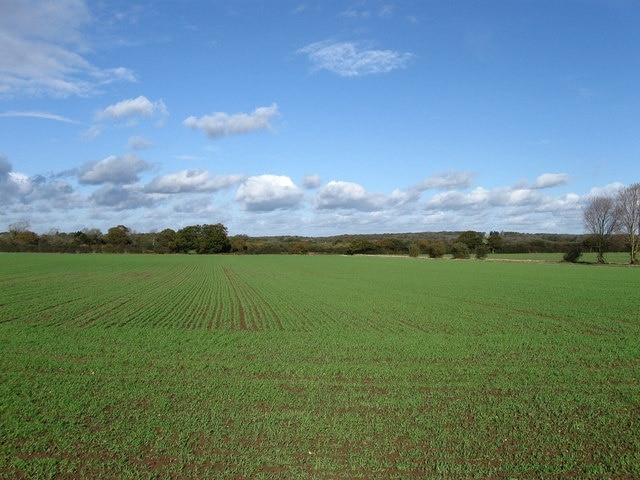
{"x": 316, "y": 118}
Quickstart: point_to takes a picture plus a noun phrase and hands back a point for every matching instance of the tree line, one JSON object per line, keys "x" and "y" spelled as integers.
{"x": 214, "y": 239}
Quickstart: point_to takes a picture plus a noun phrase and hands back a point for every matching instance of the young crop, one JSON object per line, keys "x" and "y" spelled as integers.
{"x": 131, "y": 366}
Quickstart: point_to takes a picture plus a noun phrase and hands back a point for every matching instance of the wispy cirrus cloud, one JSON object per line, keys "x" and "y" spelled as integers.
{"x": 351, "y": 59}
{"x": 221, "y": 124}
{"x": 38, "y": 114}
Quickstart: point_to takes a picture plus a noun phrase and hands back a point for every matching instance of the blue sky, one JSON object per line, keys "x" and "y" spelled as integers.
{"x": 316, "y": 117}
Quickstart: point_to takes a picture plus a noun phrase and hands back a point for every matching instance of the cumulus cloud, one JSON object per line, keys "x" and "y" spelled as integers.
{"x": 8, "y": 184}
{"x": 192, "y": 181}
{"x": 268, "y": 192}
{"x": 548, "y": 180}
{"x": 117, "y": 170}
{"x": 42, "y": 47}
{"x": 221, "y": 124}
{"x": 350, "y": 59}
{"x": 347, "y": 195}
{"x": 609, "y": 190}
{"x": 133, "y": 107}
{"x": 120, "y": 197}
{"x": 454, "y": 180}
{"x": 39, "y": 192}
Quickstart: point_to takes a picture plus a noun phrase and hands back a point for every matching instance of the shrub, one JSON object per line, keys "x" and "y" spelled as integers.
{"x": 460, "y": 250}
{"x": 437, "y": 249}
{"x": 482, "y": 251}
{"x": 414, "y": 250}
{"x": 573, "y": 253}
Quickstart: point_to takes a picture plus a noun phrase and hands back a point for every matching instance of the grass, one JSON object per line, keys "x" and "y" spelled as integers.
{"x": 615, "y": 258}
{"x": 316, "y": 367}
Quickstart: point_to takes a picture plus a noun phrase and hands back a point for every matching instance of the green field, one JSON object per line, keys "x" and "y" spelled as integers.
{"x": 327, "y": 367}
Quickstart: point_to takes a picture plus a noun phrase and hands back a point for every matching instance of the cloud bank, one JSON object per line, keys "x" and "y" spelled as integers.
{"x": 119, "y": 188}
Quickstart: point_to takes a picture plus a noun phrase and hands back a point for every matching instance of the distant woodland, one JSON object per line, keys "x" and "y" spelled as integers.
{"x": 213, "y": 239}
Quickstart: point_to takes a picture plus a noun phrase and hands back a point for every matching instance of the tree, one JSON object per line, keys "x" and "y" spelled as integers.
{"x": 471, "y": 239}
{"x": 600, "y": 219}
{"x": 628, "y": 212}
{"x": 214, "y": 239}
{"x": 165, "y": 241}
{"x": 26, "y": 241}
{"x": 437, "y": 249}
{"x": 482, "y": 251}
{"x": 117, "y": 237}
{"x": 495, "y": 241}
{"x": 414, "y": 250}
{"x": 186, "y": 239}
{"x": 460, "y": 250}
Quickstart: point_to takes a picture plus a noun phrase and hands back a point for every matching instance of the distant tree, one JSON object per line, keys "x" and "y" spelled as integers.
{"x": 118, "y": 238}
{"x": 214, "y": 239}
{"x": 360, "y": 246}
{"x": 600, "y": 219}
{"x": 239, "y": 243}
{"x": 165, "y": 241}
{"x": 471, "y": 239}
{"x": 482, "y": 251}
{"x": 460, "y": 250}
{"x": 495, "y": 241}
{"x": 26, "y": 241}
{"x": 202, "y": 239}
{"x": 414, "y": 250}
{"x": 300, "y": 248}
{"x": 187, "y": 239}
{"x": 628, "y": 206}
{"x": 20, "y": 226}
{"x": 437, "y": 249}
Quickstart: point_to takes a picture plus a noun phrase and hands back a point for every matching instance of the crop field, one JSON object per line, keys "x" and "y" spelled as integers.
{"x": 319, "y": 367}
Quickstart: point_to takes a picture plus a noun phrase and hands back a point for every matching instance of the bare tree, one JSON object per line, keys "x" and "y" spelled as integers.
{"x": 601, "y": 220}
{"x": 628, "y": 205}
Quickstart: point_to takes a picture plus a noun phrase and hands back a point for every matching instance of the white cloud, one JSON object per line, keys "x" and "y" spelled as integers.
{"x": 347, "y": 195}
{"x": 133, "y": 107}
{"x": 40, "y": 193}
{"x": 38, "y": 114}
{"x": 220, "y": 124}
{"x": 548, "y": 180}
{"x": 42, "y": 48}
{"x": 121, "y": 197}
{"x": 350, "y": 59}
{"x": 192, "y": 181}
{"x": 268, "y": 192}
{"x": 118, "y": 170}
{"x": 311, "y": 181}
{"x": 610, "y": 190}
{"x": 138, "y": 143}
{"x": 446, "y": 181}
{"x": 457, "y": 200}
